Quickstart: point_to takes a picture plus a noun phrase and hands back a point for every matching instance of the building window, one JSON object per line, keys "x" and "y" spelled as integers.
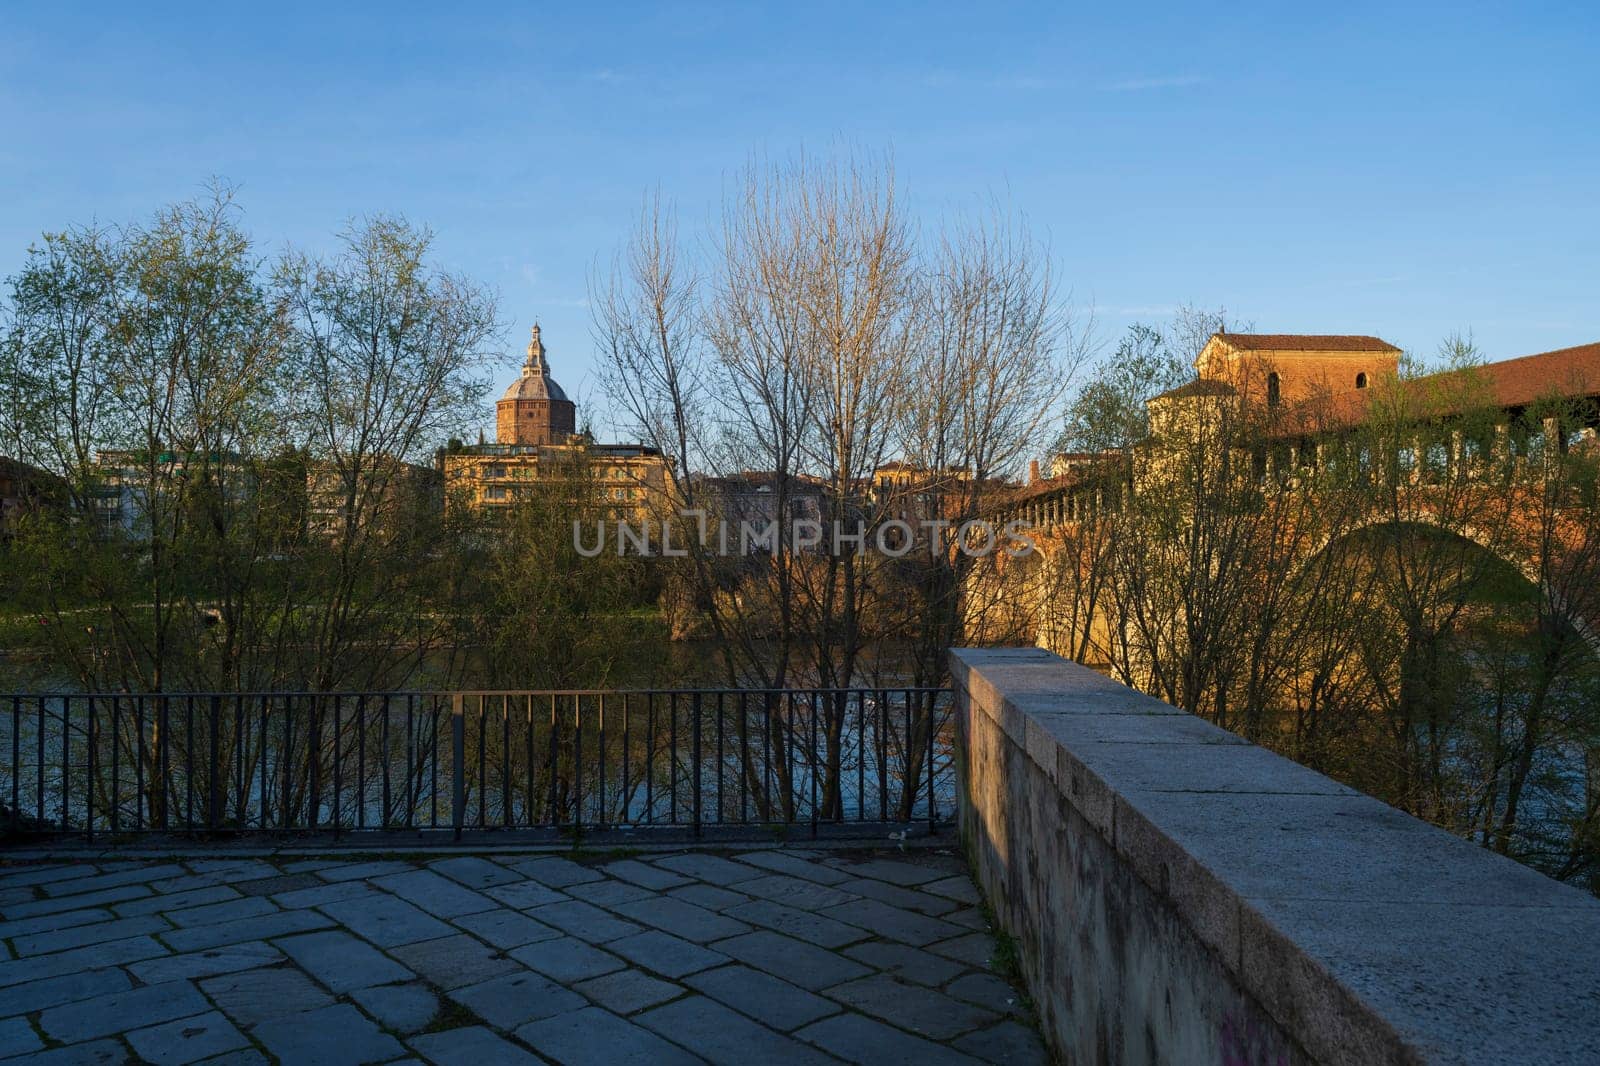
{"x": 495, "y": 492}
{"x": 1361, "y": 380}
{"x": 1272, "y": 389}
{"x": 496, "y": 472}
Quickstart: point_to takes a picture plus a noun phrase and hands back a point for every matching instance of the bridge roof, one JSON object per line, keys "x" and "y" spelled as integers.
{"x": 1507, "y": 384}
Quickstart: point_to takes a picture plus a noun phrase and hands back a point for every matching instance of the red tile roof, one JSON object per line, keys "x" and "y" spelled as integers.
{"x": 1306, "y": 342}
{"x": 1509, "y": 383}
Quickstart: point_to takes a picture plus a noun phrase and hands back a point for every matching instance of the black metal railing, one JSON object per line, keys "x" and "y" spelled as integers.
{"x": 214, "y": 762}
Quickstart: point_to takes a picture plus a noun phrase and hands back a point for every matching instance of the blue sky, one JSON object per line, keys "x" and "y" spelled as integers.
{"x": 1312, "y": 168}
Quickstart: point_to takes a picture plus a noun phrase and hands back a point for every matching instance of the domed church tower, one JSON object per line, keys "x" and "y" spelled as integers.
{"x": 534, "y": 410}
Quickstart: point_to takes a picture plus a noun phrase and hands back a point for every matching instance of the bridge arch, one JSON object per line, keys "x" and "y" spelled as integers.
{"x": 1525, "y": 570}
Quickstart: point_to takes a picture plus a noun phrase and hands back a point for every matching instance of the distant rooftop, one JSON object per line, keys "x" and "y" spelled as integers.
{"x": 1305, "y": 342}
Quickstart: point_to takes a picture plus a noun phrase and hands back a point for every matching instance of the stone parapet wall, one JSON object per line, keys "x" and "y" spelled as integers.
{"x": 1180, "y": 895}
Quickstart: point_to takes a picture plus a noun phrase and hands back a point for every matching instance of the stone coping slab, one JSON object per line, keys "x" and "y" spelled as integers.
{"x": 1364, "y": 932}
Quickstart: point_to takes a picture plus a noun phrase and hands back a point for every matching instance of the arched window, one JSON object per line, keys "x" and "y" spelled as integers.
{"x": 1272, "y": 389}
{"x": 1361, "y": 380}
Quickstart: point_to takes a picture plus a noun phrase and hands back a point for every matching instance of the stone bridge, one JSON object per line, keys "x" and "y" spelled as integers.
{"x": 1180, "y": 895}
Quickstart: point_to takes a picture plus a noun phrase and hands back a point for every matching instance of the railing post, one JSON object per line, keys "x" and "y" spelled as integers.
{"x": 695, "y": 761}
{"x": 458, "y": 762}
{"x": 88, "y": 791}
{"x": 214, "y": 806}
{"x": 933, "y": 812}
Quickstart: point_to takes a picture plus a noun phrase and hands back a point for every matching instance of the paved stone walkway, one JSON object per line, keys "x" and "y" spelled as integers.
{"x": 770, "y": 955}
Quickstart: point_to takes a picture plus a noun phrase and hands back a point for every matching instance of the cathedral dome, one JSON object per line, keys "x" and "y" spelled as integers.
{"x": 535, "y": 382}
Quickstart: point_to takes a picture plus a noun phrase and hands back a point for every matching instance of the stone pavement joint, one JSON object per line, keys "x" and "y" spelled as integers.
{"x": 725, "y": 955}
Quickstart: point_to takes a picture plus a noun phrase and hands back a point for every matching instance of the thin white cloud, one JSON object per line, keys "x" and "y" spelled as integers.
{"x": 943, "y": 79}
{"x": 1139, "y": 85}
{"x": 1026, "y": 82}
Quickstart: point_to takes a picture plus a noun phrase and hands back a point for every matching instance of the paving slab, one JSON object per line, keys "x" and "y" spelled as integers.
{"x": 859, "y": 1039}
{"x": 894, "y": 871}
{"x": 454, "y": 961}
{"x": 968, "y": 918}
{"x": 788, "y": 862}
{"x": 816, "y": 928}
{"x": 44, "y": 923}
{"x": 342, "y": 962}
{"x": 361, "y": 871}
{"x": 793, "y": 960}
{"x": 82, "y": 935}
{"x": 721, "y": 1036}
{"x": 767, "y": 999}
{"x": 892, "y": 922}
{"x": 1009, "y": 1042}
{"x": 198, "y": 964}
{"x": 93, "y": 957}
{"x": 644, "y": 875}
{"x": 594, "y": 1037}
{"x": 176, "y": 901}
{"x": 586, "y": 921}
{"x": 278, "y": 884}
{"x": 407, "y": 1008}
{"x": 524, "y": 893}
{"x": 506, "y": 928}
{"x": 666, "y": 954}
{"x": 910, "y": 899}
{"x": 231, "y": 911}
{"x": 41, "y": 874}
{"x": 959, "y": 888}
{"x": 567, "y": 959}
{"x": 18, "y": 1038}
{"x": 796, "y": 891}
{"x": 222, "y": 874}
{"x": 253, "y": 996}
{"x": 240, "y": 867}
{"x": 986, "y": 990}
{"x": 329, "y": 893}
{"x": 112, "y": 878}
{"x": 972, "y": 949}
{"x": 681, "y": 918}
{"x": 93, "y": 1053}
{"x": 111, "y": 1013}
{"x": 708, "y": 896}
{"x": 103, "y": 898}
{"x": 385, "y": 920}
{"x": 509, "y": 1001}
{"x": 905, "y": 961}
{"x": 555, "y": 872}
{"x": 264, "y": 927}
{"x": 627, "y": 991}
{"x": 915, "y": 1008}
{"x": 244, "y": 1057}
{"x": 470, "y": 1046}
{"x": 473, "y": 872}
{"x": 187, "y": 1040}
{"x": 339, "y": 1035}
{"x": 437, "y": 895}
{"x": 56, "y": 991}
{"x": 711, "y": 869}
{"x": 610, "y": 892}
